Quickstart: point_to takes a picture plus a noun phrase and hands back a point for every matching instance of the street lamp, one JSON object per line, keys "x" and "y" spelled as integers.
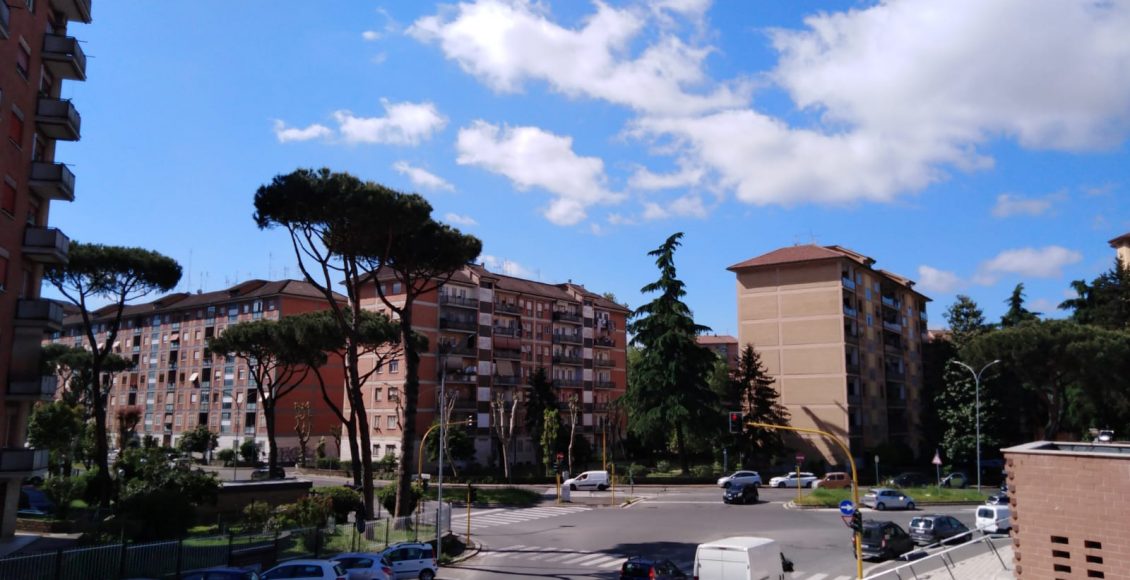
{"x": 977, "y": 420}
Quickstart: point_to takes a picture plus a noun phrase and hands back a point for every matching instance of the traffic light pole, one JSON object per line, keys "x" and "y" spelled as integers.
{"x": 854, "y": 482}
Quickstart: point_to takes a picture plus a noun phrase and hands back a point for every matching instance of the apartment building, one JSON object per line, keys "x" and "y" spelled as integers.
{"x": 177, "y": 384}
{"x": 843, "y": 341}
{"x": 723, "y": 345}
{"x": 1121, "y": 246}
{"x": 488, "y": 333}
{"x": 36, "y": 56}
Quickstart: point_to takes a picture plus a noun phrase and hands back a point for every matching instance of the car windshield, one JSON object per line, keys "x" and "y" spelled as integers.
{"x": 339, "y": 570}
{"x": 922, "y": 523}
{"x": 872, "y": 533}
{"x": 636, "y": 568}
{"x": 984, "y": 513}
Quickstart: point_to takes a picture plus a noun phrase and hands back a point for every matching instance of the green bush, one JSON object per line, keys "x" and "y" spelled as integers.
{"x": 62, "y": 491}
{"x": 226, "y": 455}
{"x": 701, "y": 470}
{"x": 308, "y": 512}
{"x": 387, "y": 496}
{"x": 256, "y": 515}
{"x": 663, "y": 465}
{"x": 328, "y": 463}
{"x": 636, "y": 470}
{"x": 343, "y": 501}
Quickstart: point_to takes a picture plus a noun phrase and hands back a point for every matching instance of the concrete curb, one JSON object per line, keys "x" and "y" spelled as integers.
{"x": 792, "y": 505}
{"x": 472, "y": 550}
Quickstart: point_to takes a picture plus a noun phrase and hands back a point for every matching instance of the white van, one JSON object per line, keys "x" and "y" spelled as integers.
{"x": 740, "y": 558}
{"x": 597, "y": 480}
{"x": 993, "y": 519}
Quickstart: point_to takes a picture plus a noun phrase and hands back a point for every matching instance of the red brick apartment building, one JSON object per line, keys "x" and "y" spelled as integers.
{"x": 723, "y": 345}
{"x": 177, "y": 384}
{"x": 36, "y": 56}
{"x": 1070, "y": 514}
{"x": 842, "y": 339}
{"x": 496, "y": 331}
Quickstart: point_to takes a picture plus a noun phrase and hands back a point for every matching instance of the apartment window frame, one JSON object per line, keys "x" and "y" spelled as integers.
{"x": 23, "y": 59}
{"x": 8, "y": 196}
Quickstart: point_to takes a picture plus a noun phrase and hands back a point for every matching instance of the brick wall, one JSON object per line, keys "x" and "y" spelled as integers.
{"x": 1070, "y": 514}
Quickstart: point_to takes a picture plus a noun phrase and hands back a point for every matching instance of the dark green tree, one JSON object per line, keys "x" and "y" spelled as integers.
{"x": 957, "y": 412}
{"x": 1016, "y": 313}
{"x": 1105, "y": 302}
{"x": 762, "y": 403}
{"x": 199, "y": 440}
{"x": 159, "y": 500}
{"x": 117, "y": 275}
{"x": 348, "y": 231}
{"x": 539, "y": 398}
{"x": 966, "y": 320}
{"x": 668, "y": 392}
{"x": 56, "y": 426}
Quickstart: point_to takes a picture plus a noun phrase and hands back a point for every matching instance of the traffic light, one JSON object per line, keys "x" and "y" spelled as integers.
{"x": 857, "y": 521}
{"x": 470, "y": 420}
{"x": 735, "y": 422}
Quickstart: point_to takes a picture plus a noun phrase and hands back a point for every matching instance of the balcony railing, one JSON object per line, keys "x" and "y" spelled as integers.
{"x": 563, "y": 316}
{"x": 461, "y": 377}
{"x": 40, "y": 388}
{"x": 604, "y": 341}
{"x": 604, "y": 385}
{"x": 507, "y": 353}
{"x": 848, "y": 283}
{"x": 58, "y": 119}
{"x": 46, "y": 245}
{"x": 604, "y": 362}
{"x": 5, "y": 19}
{"x": 891, "y": 302}
{"x": 505, "y": 330}
{"x": 564, "y": 359}
{"x": 39, "y": 312}
{"x": 456, "y": 324}
{"x": 567, "y": 382}
{"x": 52, "y": 180}
{"x": 63, "y": 56}
{"x": 507, "y": 308}
{"x": 507, "y": 380}
{"x": 894, "y": 373}
{"x": 892, "y": 326}
{"x": 567, "y": 339}
{"x": 461, "y": 350}
{"x": 461, "y": 301}
{"x": 849, "y": 311}
{"x": 22, "y": 460}
{"x": 73, "y": 10}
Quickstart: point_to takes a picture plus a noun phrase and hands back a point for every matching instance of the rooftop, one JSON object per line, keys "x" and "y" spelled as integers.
{"x": 1070, "y": 448}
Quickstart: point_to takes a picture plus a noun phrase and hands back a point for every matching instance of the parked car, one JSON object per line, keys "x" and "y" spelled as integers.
{"x": 637, "y": 567}
{"x": 834, "y": 480}
{"x": 307, "y": 569}
{"x": 739, "y": 558}
{"x": 997, "y": 499}
{"x": 220, "y": 573}
{"x": 740, "y": 493}
{"x": 597, "y": 480}
{"x": 934, "y": 528}
{"x": 264, "y": 473}
{"x": 34, "y": 503}
{"x": 365, "y": 566}
{"x": 911, "y": 479}
{"x": 956, "y": 479}
{"x": 883, "y": 540}
{"x": 411, "y": 560}
{"x": 742, "y": 477}
{"x": 882, "y": 498}
{"x": 993, "y": 519}
{"x": 790, "y": 480}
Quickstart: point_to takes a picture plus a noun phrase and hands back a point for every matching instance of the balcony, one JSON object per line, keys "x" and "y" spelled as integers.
{"x": 507, "y": 308}
{"x": 505, "y": 331}
{"x": 892, "y": 326}
{"x": 460, "y": 301}
{"x": 604, "y": 385}
{"x": 461, "y": 350}
{"x": 894, "y": 373}
{"x": 5, "y": 19}
{"x": 562, "y": 316}
{"x": 73, "y": 10}
{"x": 849, "y": 311}
{"x": 461, "y": 377}
{"x": 891, "y": 302}
{"x": 507, "y": 380}
{"x": 852, "y": 368}
{"x": 604, "y": 342}
{"x": 63, "y": 56}
{"x": 566, "y": 382}
{"x": 566, "y": 339}
{"x": 22, "y": 460}
{"x": 58, "y": 119}
{"x": 922, "y": 315}
{"x": 604, "y": 362}
{"x": 37, "y": 389}
{"x": 456, "y": 324}
{"x": 52, "y": 181}
{"x": 508, "y": 353}
{"x": 46, "y": 245}
{"x": 564, "y": 359}
{"x": 848, "y": 283}
{"x": 39, "y": 312}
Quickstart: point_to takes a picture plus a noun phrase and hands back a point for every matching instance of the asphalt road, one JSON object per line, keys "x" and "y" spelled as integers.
{"x": 577, "y": 541}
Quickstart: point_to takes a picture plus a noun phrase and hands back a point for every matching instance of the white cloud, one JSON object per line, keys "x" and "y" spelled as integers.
{"x": 935, "y": 280}
{"x": 287, "y": 134}
{"x": 1044, "y": 306}
{"x": 460, "y": 220}
{"x": 685, "y": 206}
{"x": 1010, "y": 205}
{"x": 686, "y": 176}
{"x": 404, "y": 124}
{"x": 530, "y": 157}
{"x": 508, "y": 267}
{"x": 903, "y": 92}
{"x": 506, "y": 42}
{"x": 421, "y": 177}
{"x": 370, "y": 35}
{"x": 1046, "y": 262}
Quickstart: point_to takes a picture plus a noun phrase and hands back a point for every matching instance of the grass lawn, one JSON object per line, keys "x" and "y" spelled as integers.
{"x": 931, "y": 494}
{"x": 508, "y": 496}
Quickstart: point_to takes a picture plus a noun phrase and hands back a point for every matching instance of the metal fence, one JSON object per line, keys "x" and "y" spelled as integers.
{"x": 170, "y": 559}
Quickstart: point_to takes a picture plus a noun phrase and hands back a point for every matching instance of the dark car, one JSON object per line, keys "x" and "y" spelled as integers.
{"x": 997, "y": 499}
{"x": 955, "y": 479}
{"x": 884, "y": 540}
{"x": 34, "y": 503}
{"x": 263, "y": 473}
{"x": 935, "y": 528}
{"x": 911, "y": 479}
{"x": 740, "y": 493}
{"x": 649, "y": 568}
{"x": 221, "y": 573}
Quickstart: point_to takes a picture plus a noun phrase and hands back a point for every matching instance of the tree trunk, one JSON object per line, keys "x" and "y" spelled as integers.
{"x": 680, "y": 443}
{"x": 272, "y": 448}
{"x": 357, "y": 410}
{"x": 354, "y": 451}
{"x": 101, "y": 448}
{"x": 408, "y": 425}
{"x": 572, "y": 437}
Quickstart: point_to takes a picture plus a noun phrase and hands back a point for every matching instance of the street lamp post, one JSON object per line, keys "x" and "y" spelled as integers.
{"x": 442, "y": 444}
{"x": 977, "y": 420}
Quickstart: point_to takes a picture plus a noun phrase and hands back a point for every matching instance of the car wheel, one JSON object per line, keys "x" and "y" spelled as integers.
{"x": 427, "y": 575}
{"x": 880, "y": 506}
{"x": 910, "y": 505}
{"x": 601, "y": 487}
{"x": 726, "y": 485}
{"x": 781, "y": 485}
{"x": 572, "y": 487}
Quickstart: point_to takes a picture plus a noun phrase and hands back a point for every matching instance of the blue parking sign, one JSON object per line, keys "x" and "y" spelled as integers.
{"x": 847, "y": 508}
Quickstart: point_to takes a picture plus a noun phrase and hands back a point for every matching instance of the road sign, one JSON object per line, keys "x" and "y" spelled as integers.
{"x": 560, "y": 456}
{"x": 847, "y": 508}
{"x": 799, "y": 458}
{"x": 937, "y": 458}
{"x": 360, "y": 525}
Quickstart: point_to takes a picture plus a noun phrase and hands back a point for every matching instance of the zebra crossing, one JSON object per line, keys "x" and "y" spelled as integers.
{"x": 502, "y": 516}
{"x": 537, "y": 555}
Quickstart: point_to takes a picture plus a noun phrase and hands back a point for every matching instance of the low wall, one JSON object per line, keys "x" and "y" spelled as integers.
{"x": 235, "y": 495}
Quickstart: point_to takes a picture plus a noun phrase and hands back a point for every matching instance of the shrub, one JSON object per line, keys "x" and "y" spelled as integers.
{"x": 226, "y": 455}
{"x": 256, "y": 515}
{"x": 701, "y": 470}
{"x": 328, "y": 463}
{"x": 343, "y": 501}
{"x": 62, "y": 491}
{"x": 387, "y": 496}
{"x": 308, "y": 512}
{"x": 637, "y": 470}
{"x": 663, "y": 465}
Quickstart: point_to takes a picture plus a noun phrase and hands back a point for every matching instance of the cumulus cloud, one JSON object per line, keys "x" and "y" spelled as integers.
{"x": 459, "y": 220}
{"x": 403, "y": 124}
{"x": 531, "y": 157}
{"x": 1046, "y": 262}
{"x": 288, "y": 134}
{"x": 504, "y": 43}
{"x": 1009, "y": 204}
{"x": 685, "y": 206}
{"x": 935, "y": 280}
{"x": 370, "y": 35}
{"x": 508, "y": 267}
{"x": 421, "y": 177}
{"x": 686, "y": 176}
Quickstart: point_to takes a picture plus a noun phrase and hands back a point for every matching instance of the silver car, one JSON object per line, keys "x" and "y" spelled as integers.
{"x": 740, "y": 477}
{"x": 882, "y": 498}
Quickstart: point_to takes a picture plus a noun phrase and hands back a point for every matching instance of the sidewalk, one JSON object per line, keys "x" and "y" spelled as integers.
{"x": 980, "y": 567}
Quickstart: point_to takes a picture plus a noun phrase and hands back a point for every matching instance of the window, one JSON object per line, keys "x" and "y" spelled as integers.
{"x": 23, "y": 59}
{"x": 393, "y": 394}
{"x": 390, "y": 422}
{"x": 376, "y": 394}
{"x": 8, "y": 198}
{"x": 394, "y": 366}
{"x": 3, "y": 273}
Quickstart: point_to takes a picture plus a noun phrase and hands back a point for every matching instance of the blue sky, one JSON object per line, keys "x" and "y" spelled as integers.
{"x": 968, "y": 145}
